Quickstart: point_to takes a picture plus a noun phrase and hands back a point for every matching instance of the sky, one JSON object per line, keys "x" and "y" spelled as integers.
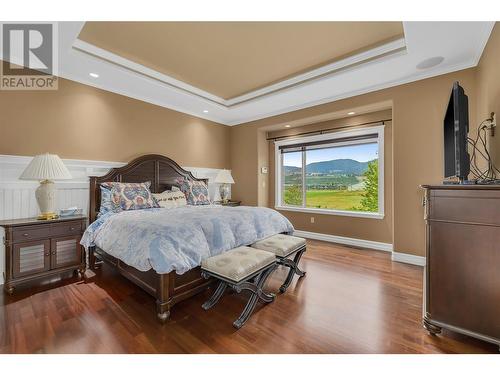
{"x": 363, "y": 152}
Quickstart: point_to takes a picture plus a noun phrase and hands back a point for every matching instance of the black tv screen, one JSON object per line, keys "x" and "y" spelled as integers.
{"x": 456, "y": 129}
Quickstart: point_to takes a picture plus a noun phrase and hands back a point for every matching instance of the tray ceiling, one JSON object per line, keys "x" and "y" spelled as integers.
{"x": 229, "y": 59}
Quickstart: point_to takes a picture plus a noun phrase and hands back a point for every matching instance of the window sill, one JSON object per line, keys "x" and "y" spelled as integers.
{"x": 369, "y": 215}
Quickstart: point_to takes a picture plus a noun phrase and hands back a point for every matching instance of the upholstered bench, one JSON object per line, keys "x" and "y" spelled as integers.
{"x": 284, "y": 246}
{"x": 242, "y": 268}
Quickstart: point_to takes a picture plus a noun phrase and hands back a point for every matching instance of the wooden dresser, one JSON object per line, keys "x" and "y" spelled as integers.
{"x": 462, "y": 273}
{"x": 35, "y": 249}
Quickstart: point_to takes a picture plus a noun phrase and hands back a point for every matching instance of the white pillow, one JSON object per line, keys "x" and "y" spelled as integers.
{"x": 170, "y": 199}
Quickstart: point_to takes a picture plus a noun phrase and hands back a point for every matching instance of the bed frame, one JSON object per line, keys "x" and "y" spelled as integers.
{"x": 170, "y": 288}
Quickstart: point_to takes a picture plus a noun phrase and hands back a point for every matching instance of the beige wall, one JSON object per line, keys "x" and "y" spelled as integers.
{"x": 488, "y": 87}
{"x": 417, "y": 145}
{"x": 82, "y": 122}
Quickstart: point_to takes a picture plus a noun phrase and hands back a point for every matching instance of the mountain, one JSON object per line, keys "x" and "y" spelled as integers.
{"x": 344, "y": 166}
{"x": 290, "y": 169}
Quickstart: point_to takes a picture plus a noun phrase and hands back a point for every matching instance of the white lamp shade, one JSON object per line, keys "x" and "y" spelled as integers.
{"x": 46, "y": 167}
{"x": 224, "y": 177}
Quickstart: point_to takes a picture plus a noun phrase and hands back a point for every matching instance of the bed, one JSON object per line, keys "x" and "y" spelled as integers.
{"x": 165, "y": 261}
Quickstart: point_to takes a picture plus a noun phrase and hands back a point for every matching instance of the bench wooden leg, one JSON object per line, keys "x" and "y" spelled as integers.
{"x": 257, "y": 293}
{"x": 219, "y": 291}
{"x": 294, "y": 269}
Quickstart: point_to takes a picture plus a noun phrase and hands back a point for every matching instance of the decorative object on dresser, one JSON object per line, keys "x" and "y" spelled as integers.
{"x": 36, "y": 249}
{"x": 224, "y": 178}
{"x": 46, "y": 168}
{"x": 462, "y": 273}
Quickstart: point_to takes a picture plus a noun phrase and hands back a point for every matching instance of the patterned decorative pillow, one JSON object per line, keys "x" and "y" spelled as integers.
{"x": 130, "y": 195}
{"x": 106, "y": 203}
{"x": 170, "y": 199}
{"x": 196, "y": 192}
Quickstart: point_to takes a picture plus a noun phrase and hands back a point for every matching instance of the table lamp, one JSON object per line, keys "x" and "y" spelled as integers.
{"x": 224, "y": 178}
{"x": 46, "y": 168}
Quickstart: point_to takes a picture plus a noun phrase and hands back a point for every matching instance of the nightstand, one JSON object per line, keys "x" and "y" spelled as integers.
{"x": 230, "y": 203}
{"x": 35, "y": 249}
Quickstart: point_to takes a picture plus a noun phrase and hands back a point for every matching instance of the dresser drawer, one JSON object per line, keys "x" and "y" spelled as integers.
{"x": 463, "y": 206}
{"x": 29, "y": 233}
{"x": 67, "y": 229}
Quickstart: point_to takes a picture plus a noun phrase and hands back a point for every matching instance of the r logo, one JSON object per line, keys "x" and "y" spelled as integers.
{"x": 27, "y": 46}
{"x": 28, "y": 50}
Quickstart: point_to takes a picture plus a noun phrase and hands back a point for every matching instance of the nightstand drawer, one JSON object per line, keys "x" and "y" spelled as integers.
{"x": 30, "y": 233}
{"x": 67, "y": 229}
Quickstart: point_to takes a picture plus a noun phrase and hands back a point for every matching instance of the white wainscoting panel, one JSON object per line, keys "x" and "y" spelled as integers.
{"x": 17, "y": 197}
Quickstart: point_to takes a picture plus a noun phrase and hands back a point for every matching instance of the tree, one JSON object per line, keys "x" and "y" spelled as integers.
{"x": 293, "y": 195}
{"x": 369, "y": 202}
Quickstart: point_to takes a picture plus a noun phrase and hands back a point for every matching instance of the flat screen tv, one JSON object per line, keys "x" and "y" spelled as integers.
{"x": 456, "y": 129}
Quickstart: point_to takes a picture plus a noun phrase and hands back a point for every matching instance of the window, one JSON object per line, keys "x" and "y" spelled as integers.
{"x": 335, "y": 173}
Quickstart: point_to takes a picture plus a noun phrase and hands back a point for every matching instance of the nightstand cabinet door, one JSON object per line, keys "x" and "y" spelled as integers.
{"x": 65, "y": 251}
{"x": 31, "y": 257}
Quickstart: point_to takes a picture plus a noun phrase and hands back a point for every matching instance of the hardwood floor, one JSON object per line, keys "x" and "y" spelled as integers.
{"x": 351, "y": 301}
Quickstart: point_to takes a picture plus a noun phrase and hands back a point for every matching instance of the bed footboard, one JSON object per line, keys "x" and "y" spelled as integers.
{"x": 168, "y": 288}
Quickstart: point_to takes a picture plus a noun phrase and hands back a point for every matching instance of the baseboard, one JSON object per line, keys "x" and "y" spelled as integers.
{"x": 382, "y": 246}
{"x": 408, "y": 258}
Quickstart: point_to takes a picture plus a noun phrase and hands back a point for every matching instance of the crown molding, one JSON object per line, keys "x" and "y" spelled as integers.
{"x": 110, "y": 57}
{"x": 350, "y": 94}
{"x": 392, "y": 47}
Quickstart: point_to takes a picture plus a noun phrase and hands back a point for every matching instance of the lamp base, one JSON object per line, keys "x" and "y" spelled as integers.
{"x": 46, "y": 199}
{"x": 48, "y": 216}
{"x": 224, "y": 192}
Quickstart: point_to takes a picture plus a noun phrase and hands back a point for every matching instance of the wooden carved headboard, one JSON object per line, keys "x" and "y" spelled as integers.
{"x": 158, "y": 169}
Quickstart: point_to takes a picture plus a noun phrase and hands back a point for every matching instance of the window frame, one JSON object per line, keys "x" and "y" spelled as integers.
{"x": 377, "y": 129}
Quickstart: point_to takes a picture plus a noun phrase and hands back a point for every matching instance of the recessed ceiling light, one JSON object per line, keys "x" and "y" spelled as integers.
{"x": 287, "y": 126}
{"x": 205, "y": 111}
{"x": 430, "y": 63}
{"x": 351, "y": 113}
{"x": 94, "y": 75}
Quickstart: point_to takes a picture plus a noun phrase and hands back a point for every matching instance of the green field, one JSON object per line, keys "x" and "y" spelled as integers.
{"x": 332, "y": 199}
